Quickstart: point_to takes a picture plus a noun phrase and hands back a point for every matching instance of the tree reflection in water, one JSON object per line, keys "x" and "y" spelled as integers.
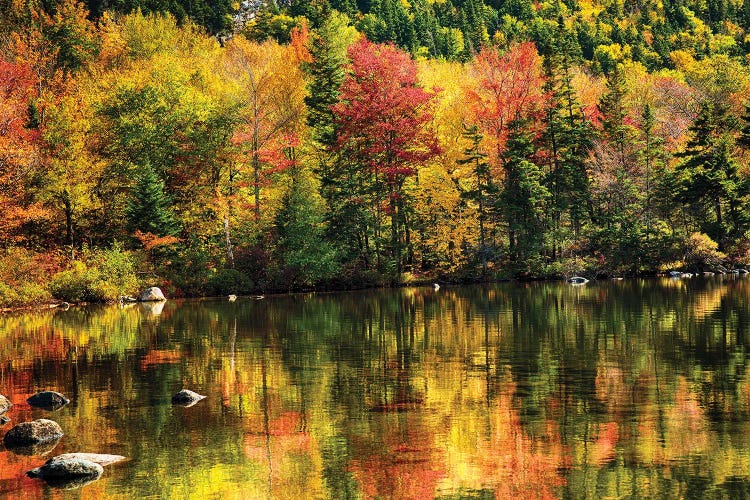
{"x": 516, "y": 390}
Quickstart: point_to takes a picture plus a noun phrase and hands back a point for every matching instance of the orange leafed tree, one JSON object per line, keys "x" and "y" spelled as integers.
{"x": 508, "y": 86}
{"x": 19, "y": 153}
{"x": 271, "y": 90}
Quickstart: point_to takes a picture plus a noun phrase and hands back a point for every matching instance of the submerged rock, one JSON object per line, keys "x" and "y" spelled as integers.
{"x": 66, "y": 468}
{"x": 97, "y": 458}
{"x": 152, "y": 294}
{"x": 5, "y": 404}
{"x": 31, "y": 433}
{"x": 48, "y": 400}
{"x": 186, "y": 398}
{"x": 67, "y": 473}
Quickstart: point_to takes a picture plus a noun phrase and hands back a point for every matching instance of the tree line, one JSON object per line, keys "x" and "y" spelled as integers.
{"x": 136, "y": 147}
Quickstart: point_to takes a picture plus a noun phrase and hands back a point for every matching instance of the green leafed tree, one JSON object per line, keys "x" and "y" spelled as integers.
{"x": 524, "y": 198}
{"x": 149, "y": 209}
{"x": 304, "y": 255}
{"x": 709, "y": 179}
{"x": 484, "y": 191}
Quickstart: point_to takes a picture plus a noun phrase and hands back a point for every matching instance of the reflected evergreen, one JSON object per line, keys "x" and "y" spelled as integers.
{"x": 630, "y": 388}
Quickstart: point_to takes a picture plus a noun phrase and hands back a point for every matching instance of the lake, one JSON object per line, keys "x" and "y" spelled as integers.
{"x": 635, "y": 388}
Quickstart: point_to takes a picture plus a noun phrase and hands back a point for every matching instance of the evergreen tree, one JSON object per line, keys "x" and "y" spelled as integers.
{"x": 474, "y": 26}
{"x": 612, "y": 109}
{"x": 484, "y": 190}
{"x": 652, "y": 159}
{"x": 34, "y": 119}
{"x": 302, "y": 251}
{"x": 524, "y": 198}
{"x": 710, "y": 183}
{"x": 568, "y": 137}
{"x": 326, "y": 73}
{"x": 149, "y": 209}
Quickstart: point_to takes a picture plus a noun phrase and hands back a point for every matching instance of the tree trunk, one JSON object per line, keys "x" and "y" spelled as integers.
{"x": 230, "y": 252}
{"x": 68, "y": 219}
{"x": 395, "y": 243}
{"x": 720, "y": 223}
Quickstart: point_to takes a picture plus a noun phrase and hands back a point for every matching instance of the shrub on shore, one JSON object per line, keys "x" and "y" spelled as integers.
{"x": 99, "y": 276}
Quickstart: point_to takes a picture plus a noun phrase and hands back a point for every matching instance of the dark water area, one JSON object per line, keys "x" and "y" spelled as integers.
{"x": 626, "y": 389}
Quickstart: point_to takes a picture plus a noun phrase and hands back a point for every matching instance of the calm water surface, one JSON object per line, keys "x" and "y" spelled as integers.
{"x": 615, "y": 389}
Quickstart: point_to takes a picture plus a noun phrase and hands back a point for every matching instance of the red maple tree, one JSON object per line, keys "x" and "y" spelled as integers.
{"x": 508, "y": 87}
{"x": 382, "y": 127}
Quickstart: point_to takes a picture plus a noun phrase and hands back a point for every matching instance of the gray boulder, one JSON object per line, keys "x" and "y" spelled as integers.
{"x": 186, "y": 398}
{"x": 97, "y": 458}
{"x": 48, "y": 400}
{"x": 31, "y": 433}
{"x": 5, "y": 404}
{"x": 65, "y": 468}
{"x": 577, "y": 280}
{"x": 152, "y": 294}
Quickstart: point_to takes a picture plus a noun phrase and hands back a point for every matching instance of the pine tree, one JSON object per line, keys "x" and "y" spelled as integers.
{"x": 612, "y": 109}
{"x": 302, "y": 250}
{"x": 568, "y": 137}
{"x": 709, "y": 177}
{"x": 326, "y": 72}
{"x": 524, "y": 197}
{"x": 652, "y": 156}
{"x": 149, "y": 208}
{"x": 484, "y": 189}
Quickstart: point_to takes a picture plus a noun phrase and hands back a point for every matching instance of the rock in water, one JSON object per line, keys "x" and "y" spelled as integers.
{"x": 30, "y": 433}
{"x": 152, "y": 294}
{"x": 5, "y": 404}
{"x": 48, "y": 400}
{"x": 58, "y": 468}
{"x": 577, "y": 280}
{"x": 186, "y": 398}
{"x": 97, "y": 458}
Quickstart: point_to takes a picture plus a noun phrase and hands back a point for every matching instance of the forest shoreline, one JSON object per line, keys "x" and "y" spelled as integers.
{"x": 55, "y": 304}
{"x": 143, "y": 157}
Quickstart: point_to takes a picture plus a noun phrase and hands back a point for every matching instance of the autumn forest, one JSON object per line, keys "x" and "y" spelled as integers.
{"x": 216, "y": 148}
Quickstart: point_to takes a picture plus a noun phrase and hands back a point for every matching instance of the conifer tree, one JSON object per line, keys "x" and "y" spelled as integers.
{"x": 568, "y": 137}
{"x": 709, "y": 178}
{"x": 326, "y": 73}
{"x": 475, "y": 158}
{"x": 524, "y": 197}
{"x": 149, "y": 208}
{"x": 612, "y": 109}
{"x": 306, "y": 257}
{"x": 652, "y": 156}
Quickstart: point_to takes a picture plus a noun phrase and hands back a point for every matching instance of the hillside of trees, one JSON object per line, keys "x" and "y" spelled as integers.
{"x": 350, "y": 144}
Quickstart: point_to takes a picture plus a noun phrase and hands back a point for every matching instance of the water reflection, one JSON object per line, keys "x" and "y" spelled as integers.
{"x": 536, "y": 390}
